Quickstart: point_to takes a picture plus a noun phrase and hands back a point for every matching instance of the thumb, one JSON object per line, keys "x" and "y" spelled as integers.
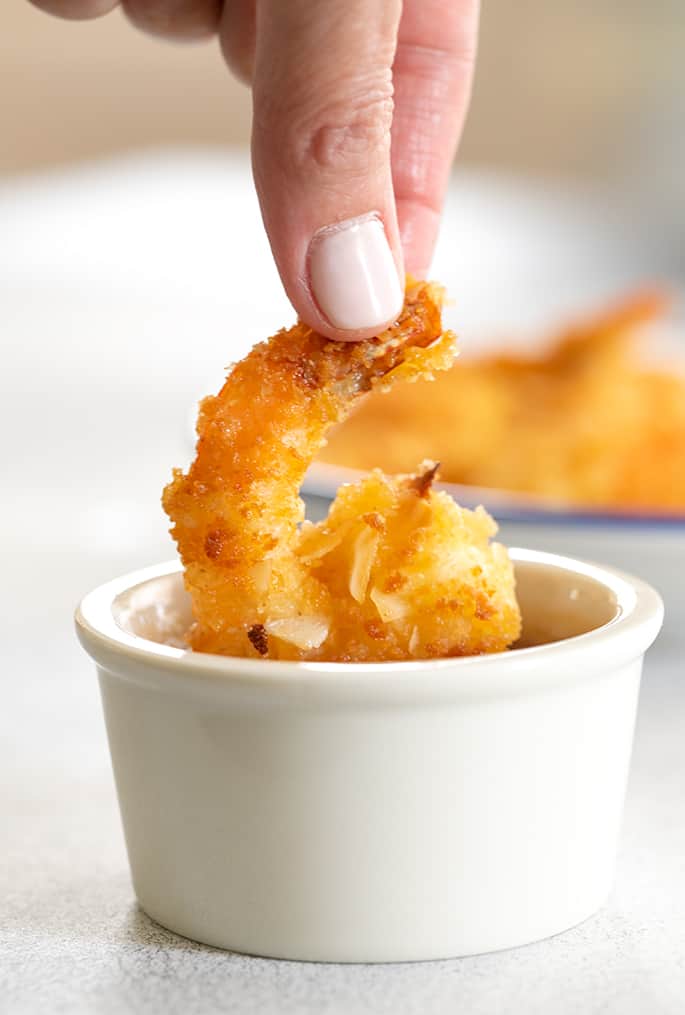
{"x": 322, "y": 97}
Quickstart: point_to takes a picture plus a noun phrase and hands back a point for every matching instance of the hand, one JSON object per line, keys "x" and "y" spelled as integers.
{"x": 358, "y": 107}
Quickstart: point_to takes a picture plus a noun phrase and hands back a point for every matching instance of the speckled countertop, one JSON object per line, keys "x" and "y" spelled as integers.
{"x": 83, "y": 462}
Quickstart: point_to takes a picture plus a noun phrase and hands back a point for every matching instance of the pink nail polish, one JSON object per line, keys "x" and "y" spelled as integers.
{"x": 353, "y": 274}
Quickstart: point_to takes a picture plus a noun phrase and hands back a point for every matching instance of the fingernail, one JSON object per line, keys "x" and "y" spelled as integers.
{"x": 353, "y": 275}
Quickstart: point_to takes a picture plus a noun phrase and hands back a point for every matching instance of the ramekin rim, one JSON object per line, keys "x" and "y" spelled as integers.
{"x": 639, "y": 608}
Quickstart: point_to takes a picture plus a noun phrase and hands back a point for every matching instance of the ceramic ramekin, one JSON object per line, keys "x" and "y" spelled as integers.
{"x": 367, "y": 813}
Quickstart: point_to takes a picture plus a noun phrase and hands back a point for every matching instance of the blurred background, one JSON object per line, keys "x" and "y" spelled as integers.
{"x": 133, "y": 265}
{"x": 580, "y": 90}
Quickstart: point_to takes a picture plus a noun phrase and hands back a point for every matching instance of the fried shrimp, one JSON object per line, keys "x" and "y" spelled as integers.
{"x": 396, "y": 571}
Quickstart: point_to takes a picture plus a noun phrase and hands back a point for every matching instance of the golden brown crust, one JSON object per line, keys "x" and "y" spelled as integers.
{"x": 259, "y": 584}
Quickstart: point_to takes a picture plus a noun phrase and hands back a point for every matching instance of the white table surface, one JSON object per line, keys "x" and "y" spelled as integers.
{"x": 89, "y": 427}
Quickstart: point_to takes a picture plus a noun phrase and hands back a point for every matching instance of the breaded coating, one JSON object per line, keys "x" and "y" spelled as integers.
{"x": 410, "y": 573}
{"x": 371, "y": 582}
{"x": 586, "y": 424}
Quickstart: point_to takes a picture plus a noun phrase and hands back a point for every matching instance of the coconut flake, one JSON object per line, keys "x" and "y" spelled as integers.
{"x": 365, "y": 550}
{"x": 261, "y": 576}
{"x": 389, "y": 606}
{"x": 323, "y": 543}
{"x": 303, "y": 632}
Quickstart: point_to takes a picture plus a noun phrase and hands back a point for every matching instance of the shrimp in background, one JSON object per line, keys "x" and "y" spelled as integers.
{"x": 396, "y": 571}
{"x": 589, "y": 422}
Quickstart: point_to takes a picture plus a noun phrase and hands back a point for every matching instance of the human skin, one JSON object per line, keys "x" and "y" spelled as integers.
{"x": 358, "y": 108}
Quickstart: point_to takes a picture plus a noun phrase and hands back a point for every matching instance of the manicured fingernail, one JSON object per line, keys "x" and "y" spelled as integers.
{"x": 353, "y": 275}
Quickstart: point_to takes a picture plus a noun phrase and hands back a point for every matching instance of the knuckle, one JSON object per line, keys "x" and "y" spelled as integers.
{"x": 338, "y": 134}
{"x": 347, "y": 140}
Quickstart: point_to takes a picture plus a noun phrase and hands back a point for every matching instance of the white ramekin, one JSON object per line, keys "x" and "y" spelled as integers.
{"x": 366, "y": 813}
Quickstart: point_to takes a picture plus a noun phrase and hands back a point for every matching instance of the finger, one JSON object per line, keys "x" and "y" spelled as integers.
{"x": 321, "y": 155}
{"x": 77, "y": 9}
{"x": 175, "y": 19}
{"x": 432, "y": 74}
{"x": 237, "y": 33}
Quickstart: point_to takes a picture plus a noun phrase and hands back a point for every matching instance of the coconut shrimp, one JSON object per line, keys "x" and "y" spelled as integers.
{"x": 396, "y": 571}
